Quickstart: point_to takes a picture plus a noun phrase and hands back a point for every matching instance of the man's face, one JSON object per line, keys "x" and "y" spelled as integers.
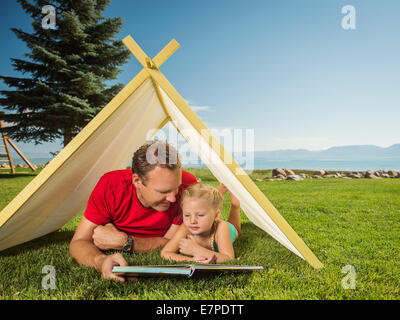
{"x": 159, "y": 189}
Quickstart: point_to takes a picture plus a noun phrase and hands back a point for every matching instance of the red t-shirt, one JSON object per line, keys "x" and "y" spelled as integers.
{"x": 114, "y": 200}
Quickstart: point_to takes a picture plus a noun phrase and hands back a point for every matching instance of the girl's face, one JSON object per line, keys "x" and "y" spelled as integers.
{"x": 198, "y": 216}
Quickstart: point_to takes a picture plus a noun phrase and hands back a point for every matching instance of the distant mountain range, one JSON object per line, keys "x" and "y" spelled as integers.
{"x": 362, "y": 152}
{"x": 359, "y": 152}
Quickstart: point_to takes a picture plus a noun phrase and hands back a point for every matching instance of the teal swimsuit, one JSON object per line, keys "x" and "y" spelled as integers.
{"x": 232, "y": 231}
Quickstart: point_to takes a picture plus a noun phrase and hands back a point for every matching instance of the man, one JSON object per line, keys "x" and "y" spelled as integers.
{"x": 132, "y": 210}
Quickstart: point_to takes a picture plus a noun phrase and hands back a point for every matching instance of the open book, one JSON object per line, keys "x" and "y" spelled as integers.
{"x": 182, "y": 270}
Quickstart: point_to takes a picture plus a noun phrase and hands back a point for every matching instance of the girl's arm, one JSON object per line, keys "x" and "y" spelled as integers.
{"x": 171, "y": 249}
{"x": 224, "y": 242}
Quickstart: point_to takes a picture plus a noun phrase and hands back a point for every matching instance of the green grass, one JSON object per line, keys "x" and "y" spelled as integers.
{"x": 343, "y": 221}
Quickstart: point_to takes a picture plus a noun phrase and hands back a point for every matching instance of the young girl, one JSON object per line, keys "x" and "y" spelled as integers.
{"x": 202, "y": 237}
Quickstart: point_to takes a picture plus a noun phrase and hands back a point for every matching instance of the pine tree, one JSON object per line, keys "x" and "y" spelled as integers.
{"x": 68, "y": 68}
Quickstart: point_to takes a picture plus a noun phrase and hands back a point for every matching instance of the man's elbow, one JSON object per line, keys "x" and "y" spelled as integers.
{"x": 164, "y": 241}
{"x": 75, "y": 248}
{"x": 72, "y": 248}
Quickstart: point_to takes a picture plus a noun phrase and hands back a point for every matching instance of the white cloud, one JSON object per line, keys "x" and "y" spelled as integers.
{"x": 196, "y": 108}
{"x": 200, "y": 108}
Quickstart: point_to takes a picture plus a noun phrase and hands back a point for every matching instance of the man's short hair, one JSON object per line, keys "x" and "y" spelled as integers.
{"x": 153, "y": 154}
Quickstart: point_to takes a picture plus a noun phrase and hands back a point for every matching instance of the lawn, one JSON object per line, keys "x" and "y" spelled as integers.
{"x": 343, "y": 221}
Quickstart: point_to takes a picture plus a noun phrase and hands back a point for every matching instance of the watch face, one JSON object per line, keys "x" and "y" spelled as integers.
{"x": 128, "y": 245}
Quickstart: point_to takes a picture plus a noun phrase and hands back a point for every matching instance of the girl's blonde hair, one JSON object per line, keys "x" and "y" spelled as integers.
{"x": 203, "y": 192}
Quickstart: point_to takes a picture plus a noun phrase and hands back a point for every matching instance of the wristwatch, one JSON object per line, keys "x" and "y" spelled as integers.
{"x": 127, "y": 247}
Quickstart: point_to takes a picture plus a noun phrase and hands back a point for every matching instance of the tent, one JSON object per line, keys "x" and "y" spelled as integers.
{"x": 61, "y": 190}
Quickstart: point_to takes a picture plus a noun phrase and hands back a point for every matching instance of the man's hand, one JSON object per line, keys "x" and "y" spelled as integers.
{"x": 108, "y": 237}
{"x": 107, "y": 264}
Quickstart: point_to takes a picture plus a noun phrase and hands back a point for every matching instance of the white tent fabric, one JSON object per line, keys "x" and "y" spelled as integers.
{"x": 67, "y": 191}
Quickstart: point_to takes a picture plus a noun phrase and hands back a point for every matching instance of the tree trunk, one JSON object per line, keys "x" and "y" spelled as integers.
{"x": 67, "y": 136}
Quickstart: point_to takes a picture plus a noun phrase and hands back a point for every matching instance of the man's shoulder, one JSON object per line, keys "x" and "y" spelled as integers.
{"x": 117, "y": 176}
{"x": 188, "y": 178}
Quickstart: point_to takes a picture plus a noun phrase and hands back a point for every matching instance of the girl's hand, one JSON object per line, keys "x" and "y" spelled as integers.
{"x": 189, "y": 246}
{"x": 206, "y": 260}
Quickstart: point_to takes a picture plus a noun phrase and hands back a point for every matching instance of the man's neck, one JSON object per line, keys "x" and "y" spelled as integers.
{"x": 141, "y": 200}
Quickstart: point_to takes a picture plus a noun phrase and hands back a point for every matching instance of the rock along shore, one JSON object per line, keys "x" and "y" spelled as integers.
{"x": 287, "y": 174}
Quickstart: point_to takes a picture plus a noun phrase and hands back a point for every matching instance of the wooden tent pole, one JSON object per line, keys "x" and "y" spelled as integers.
{"x": 20, "y": 154}
{"x": 5, "y": 140}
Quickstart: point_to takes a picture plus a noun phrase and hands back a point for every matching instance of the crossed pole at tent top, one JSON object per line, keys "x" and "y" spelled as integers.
{"x": 150, "y": 70}
{"x": 144, "y": 60}
{"x": 153, "y": 64}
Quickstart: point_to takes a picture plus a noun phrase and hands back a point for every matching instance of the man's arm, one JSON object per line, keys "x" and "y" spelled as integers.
{"x": 150, "y": 244}
{"x": 109, "y": 237}
{"x": 83, "y": 250}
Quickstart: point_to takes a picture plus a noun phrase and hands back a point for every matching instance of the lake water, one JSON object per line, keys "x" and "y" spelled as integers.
{"x": 345, "y": 165}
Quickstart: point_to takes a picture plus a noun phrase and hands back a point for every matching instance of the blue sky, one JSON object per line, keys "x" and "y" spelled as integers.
{"x": 286, "y": 69}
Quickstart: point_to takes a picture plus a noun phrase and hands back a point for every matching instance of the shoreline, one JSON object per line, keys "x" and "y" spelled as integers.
{"x": 274, "y": 174}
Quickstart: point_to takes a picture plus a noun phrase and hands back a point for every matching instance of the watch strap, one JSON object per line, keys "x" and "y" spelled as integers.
{"x": 128, "y": 246}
